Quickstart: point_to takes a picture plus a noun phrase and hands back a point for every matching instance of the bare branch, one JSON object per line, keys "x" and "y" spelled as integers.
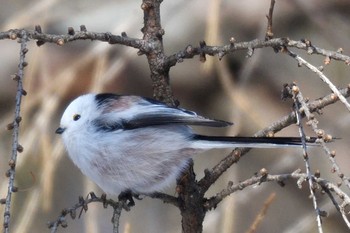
{"x": 165, "y": 198}
{"x": 16, "y": 147}
{"x": 296, "y": 92}
{"x": 221, "y": 51}
{"x": 269, "y": 33}
{"x": 213, "y": 174}
{"x": 77, "y": 35}
{"x": 280, "y": 179}
{"x": 312, "y": 121}
{"x": 323, "y": 77}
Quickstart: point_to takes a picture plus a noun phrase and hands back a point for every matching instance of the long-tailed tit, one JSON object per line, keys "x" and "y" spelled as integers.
{"x": 130, "y": 143}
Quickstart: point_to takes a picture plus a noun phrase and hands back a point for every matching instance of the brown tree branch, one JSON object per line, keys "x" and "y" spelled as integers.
{"x": 323, "y": 77}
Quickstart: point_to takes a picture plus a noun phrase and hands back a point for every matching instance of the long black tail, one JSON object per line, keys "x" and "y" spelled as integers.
{"x": 207, "y": 142}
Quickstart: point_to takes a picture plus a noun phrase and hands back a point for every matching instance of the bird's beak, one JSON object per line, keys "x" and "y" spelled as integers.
{"x": 60, "y": 130}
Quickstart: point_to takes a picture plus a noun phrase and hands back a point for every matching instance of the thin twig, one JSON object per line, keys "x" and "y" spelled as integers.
{"x": 338, "y": 207}
{"x": 269, "y": 33}
{"x": 117, "y": 210}
{"x": 281, "y": 179}
{"x": 323, "y": 77}
{"x": 312, "y": 121}
{"x": 166, "y": 198}
{"x": 16, "y": 147}
{"x": 78, "y": 35}
{"x": 306, "y": 158}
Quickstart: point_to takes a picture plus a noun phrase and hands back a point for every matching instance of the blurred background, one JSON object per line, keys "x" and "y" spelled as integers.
{"x": 243, "y": 90}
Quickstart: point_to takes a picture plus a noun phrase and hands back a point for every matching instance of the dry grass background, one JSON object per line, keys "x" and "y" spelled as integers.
{"x": 245, "y": 91}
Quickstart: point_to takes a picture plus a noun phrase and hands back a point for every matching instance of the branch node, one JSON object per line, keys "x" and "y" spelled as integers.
{"x": 13, "y": 36}
{"x": 63, "y": 223}
{"x": 327, "y": 60}
{"x": 232, "y": 41}
{"x": 18, "y": 119}
{"x": 83, "y": 28}
{"x": 8, "y": 173}
{"x": 71, "y": 31}
{"x": 10, "y": 126}
{"x": 340, "y": 50}
{"x": 317, "y": 173}
{"x": 160, "y": 33}
{"x": 202, "y": 57}
{"x": 333, "y": 153}
{"x": 263, "y": 172}
{"x": 60, "y": 42}
{"x": 40, "y": 43}
{"x": 189, "y": 50}
{"x": 24, "y": 92}
{"x": 250, "y": 52}
{"x": 140, "y": 53}
{"x": 221, "y": 54}
{"x": 25, "y": 50}
{"x": 19, "y": 148}
{"x": 323, "y": 213}
{"x": 146, "y": 5}
{"x": 37, "y": 28}
{"x": 12, "y": 163}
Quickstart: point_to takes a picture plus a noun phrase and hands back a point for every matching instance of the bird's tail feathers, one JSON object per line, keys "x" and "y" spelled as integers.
{"x": 210, "y": 142}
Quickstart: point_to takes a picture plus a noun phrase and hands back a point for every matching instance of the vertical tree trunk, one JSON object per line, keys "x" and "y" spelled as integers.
{"x": 191, "y": 200}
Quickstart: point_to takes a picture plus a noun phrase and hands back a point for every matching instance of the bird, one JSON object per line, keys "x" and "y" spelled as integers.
{"x": 128, "y": 143}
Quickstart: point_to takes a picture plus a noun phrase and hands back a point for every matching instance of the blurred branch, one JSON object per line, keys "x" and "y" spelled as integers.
{"x": 253, "y": 228}
{"x": 16, "y": 147}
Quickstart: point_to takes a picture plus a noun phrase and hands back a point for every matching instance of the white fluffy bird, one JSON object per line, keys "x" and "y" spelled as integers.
{"x": 130, "y": 143}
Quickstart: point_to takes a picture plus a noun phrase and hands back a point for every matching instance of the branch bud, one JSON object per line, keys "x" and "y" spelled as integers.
{"x": 60, "y": 42}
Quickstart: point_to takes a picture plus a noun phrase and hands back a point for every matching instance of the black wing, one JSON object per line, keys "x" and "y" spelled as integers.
{"x": 130, "y": 112}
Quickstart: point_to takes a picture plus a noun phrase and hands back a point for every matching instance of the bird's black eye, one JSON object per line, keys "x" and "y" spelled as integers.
{"x": 76, "y": 117}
